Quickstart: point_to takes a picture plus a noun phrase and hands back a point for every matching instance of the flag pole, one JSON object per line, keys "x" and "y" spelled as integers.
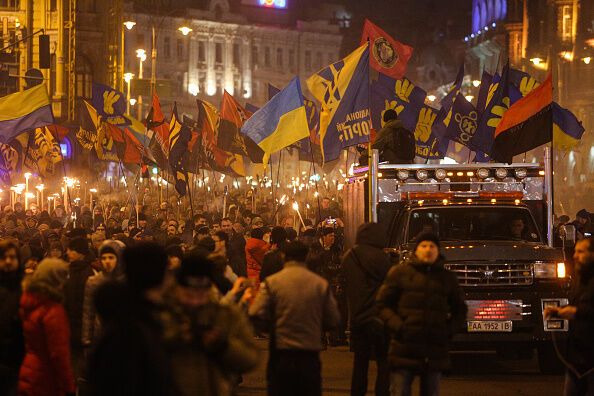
{"x": 370, "y": 183}
{"x": 313, "y": 163}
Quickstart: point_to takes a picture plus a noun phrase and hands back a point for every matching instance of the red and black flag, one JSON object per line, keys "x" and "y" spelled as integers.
{"x": 387, "y": 55}
{"x": 230, "y": 138}
{"x": 526, "y": 125}
{"x": 179, "y": 138}
{"x": 156, "y": 122}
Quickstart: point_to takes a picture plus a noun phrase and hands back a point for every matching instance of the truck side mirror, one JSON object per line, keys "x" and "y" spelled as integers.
{"x": 568, "y": 233}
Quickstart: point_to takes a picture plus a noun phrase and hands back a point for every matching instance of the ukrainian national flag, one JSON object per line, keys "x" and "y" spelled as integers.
{"x": 567, "y": 129}
{"x": 280, "y": 122}
{"x": 343, "y": 92}
{"x": 24, "y": 111}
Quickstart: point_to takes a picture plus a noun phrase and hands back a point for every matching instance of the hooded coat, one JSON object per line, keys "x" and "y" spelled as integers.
{"x": 46, "y": 368}
{"x": 395, "y": 143}
{"x": 365, "y": 267}
{"x": 91, "y": 325}
{"x": 423, "y": 307}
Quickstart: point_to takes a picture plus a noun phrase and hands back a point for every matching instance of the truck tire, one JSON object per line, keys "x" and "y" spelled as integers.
{"x": 548, "y": 361}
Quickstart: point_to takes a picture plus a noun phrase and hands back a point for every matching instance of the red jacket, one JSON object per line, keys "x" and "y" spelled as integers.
{"x": 255, "y": 249}
{"x": 46, "y": 369}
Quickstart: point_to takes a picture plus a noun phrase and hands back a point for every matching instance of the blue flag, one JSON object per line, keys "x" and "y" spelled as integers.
{"x": 403, "y": 96}
{"x": 110, "y": 104}
{"x": 428, "y": 143}
{"x": 481, "y": 101}
{"x": 464, "y": 121}
{"x": 567, "y": 129}
{"x": 448, "y": 100}
{"x": 343, "y": 92}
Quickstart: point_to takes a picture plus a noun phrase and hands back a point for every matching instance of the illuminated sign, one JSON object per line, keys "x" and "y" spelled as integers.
{"x": 273, "y": 3}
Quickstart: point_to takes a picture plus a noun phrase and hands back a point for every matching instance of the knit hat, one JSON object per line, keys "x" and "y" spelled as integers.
{"x": 427, "y": 236}
{"x": 145, "y": 265}
{"x": 80, "y": 245}
{"x": 196, "y": 271}
{"x": 584, "y": 214}
{"x": 117, "y": 248}
{"x": 49, "y": 277}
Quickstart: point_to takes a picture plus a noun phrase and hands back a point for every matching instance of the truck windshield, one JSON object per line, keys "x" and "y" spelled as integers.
{"x": 474, "y": 223}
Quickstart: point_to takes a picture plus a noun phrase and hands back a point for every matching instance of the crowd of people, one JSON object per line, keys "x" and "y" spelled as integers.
{"x": 140, "y": 301}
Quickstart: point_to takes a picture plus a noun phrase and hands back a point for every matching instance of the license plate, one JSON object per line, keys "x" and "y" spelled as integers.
{"x": 489, "y": 326}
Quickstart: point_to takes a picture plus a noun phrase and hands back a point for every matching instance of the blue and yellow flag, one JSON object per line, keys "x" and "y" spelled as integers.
{"x": 567, "y": 129}
{"x": 280, "y": 122}
{"x": 24, "y": 111}
{"x": 343, "y": 92}
{"x": 110, "y": 104}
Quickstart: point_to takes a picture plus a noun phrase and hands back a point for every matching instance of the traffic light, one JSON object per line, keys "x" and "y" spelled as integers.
{"x": 44, "y": 51}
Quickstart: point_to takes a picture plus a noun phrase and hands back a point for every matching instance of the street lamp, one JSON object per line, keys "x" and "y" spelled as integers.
{"x": 185, "y": 30}
{"x": 129, "y": 24}
{"x": 476, "y": 83}
{"x": 132, "y": 101}
{"x": 128, "y": 78}
{"x": 587, "y": 60}
{"x": 140, "y": 54}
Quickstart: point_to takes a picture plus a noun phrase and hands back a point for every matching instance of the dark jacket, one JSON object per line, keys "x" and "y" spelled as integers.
{"x": 395, "y": 143}
{"x": 325, "y": 262}
{"x": 581, "y": 329}
{"x": 46, "y": 369}
{"x": 11, "y": 333}
{"x": 74, "y": 295}
{"x": 236, "y": 254}
{"x": 272, "y": 263}
{"x": 422, "y": 306}
{"x": 365, "y": 267}
{"x": 129, "y": 358}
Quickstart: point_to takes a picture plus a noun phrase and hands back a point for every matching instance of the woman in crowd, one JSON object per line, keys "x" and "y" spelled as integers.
{"x": 46, "y": 368}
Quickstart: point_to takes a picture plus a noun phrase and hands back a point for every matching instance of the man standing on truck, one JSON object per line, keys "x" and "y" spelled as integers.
{"x": 395, "y": 143}
{"x": 579, "y": 378}
{"x": 422, "y": 306}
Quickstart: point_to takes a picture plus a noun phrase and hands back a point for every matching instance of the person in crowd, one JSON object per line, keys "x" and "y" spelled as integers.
{"x": 11, "y": 332}
{"x": 579, "y": 377}
{"x": 365, "y": 267}
{"x": 55, "y": 250}
{"x": 255, "y": 249}
{"x": 420, "y": 324}
{"x": 395, "y": 143}
{"x": 325, "y": 258}
{"x": 79, "y": 271}
{"x": 46, "y": 368}
{"x": 218, "y": 345}
{"x": 273, "y": 259}
{"x": 296, "y": 306}
{"x": 129, "y": 358}
{"x": 112, "y": 268}
{"x": 35, "y": 257}
{"x": 235, "y": 248}
{"x": 583, "y": 224}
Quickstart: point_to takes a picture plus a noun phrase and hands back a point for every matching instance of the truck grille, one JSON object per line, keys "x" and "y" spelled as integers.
{"x": 493, "y": 274}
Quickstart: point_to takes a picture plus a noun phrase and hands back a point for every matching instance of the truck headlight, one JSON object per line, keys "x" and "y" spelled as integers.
{"x": 549, "y": 270}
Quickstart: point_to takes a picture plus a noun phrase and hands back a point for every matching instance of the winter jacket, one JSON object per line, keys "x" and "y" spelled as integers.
{"x": 297, "y": 306}
{"x": 325, "y": 262}
{"x": 255, "y": 249}
{"x": 208, "y": 370}
{"x": 128, "y": 358}
{"x": 395, "y": 143}
{"x": 423, "y": 306}
{"x": 90, "y": 322}
{"x": 46, "y": 369}
{"x": 365, "y": 267}
{"x": 74, "y": 295}
{"x": 581, "y": 330}
{"x": 236, "y": 254}
{"x": 12, "y": 344}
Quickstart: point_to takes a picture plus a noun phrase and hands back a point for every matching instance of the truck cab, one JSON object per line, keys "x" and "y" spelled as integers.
{"x": 493, "y": 224}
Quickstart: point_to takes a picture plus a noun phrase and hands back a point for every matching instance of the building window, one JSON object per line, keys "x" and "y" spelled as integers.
{"x": 14, "y": 4}
{"x": 236, "y": 54}
{"x": 279, "y": 57}
{"x": 167, "y": 47}
{"x": 254, "y": 55}
{"x": 267, "y": 56}
{"x": 180, "y": 49}
{"x": 292, "y": 59}
{"x": 567, "y": 23}
{"x": 219, "y": 53}
{"x": 308, "y": 60}
{"x": 319, "y": 61}
{"x": 201, "y": 51}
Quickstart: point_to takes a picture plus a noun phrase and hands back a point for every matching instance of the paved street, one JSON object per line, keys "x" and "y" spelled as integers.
{"x": 480, "y": 375}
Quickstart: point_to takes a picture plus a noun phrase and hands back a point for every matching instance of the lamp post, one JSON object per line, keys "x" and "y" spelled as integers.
{"x": 141, "y": 55}
{"x": 128, "y": 78}
{"x": 129, "y": 25}
{"x": 27, "y": 176}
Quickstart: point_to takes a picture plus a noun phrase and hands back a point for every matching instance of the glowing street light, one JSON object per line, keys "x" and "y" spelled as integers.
{"x": 128, "y": 78}
{"x": 132, "y": 101}
{"x": 476, "y": 83}
{"x": 185, "y": 30}
{"x": 536, "y": 61}
{"x": 129, "y": 24}
{"x": 587, "y": 60}
{"x": 431, "y": 98}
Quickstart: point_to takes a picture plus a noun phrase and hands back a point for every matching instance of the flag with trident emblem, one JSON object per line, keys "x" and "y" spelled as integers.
{"x": 343, "y": 92}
